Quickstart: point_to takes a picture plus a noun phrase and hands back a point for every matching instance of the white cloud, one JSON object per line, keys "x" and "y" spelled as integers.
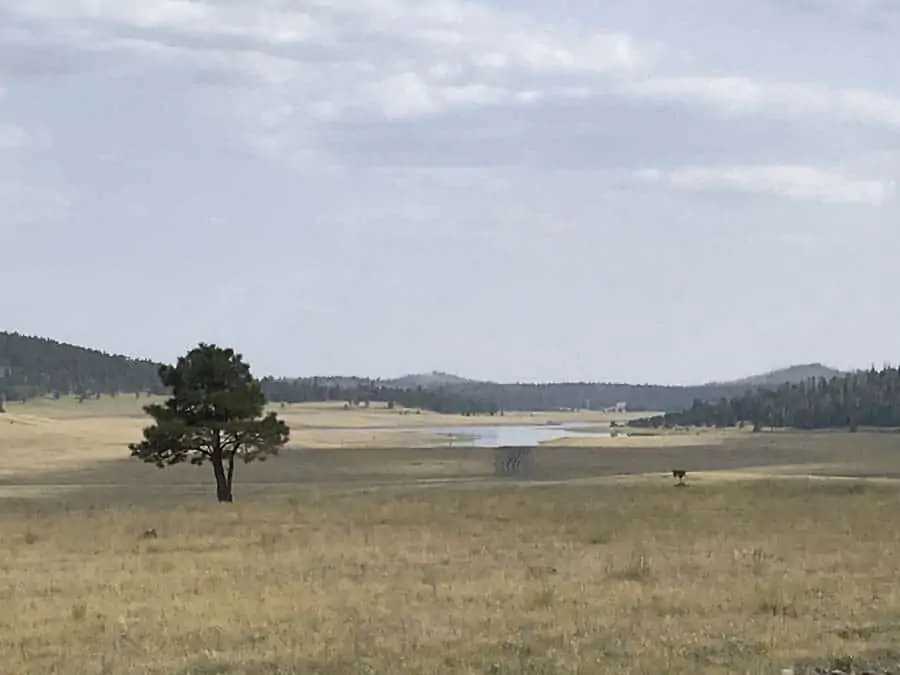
{"x": 183, "y": 16}
{"x": 483, "y": 36}
{"x": 17, "y": 138}
{"x": 869, "y": 13}
{"x": 433, "y": 55}
{"x": 745, "y": 96}
{"x": 12, "y": 137}
{"x": 793, "y": 182}
{"x": 409, "y": 95}
{"x": 32, "y": 202}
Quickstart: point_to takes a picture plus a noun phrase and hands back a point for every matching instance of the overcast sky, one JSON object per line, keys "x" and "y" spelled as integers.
{"x": 626, "y": 190}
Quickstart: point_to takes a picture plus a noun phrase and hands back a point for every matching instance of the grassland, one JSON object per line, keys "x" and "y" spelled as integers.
{"x": 783, "y": 551}
{"x": 45, "y": 434}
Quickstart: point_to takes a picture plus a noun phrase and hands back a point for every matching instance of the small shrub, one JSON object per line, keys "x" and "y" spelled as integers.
{"x": 268, "y": 540}
{"x": 639, "y": 568}
{"x": 601, "y": 536}
{"x": 776, "y": 603}
{"x": 79, "y": 611}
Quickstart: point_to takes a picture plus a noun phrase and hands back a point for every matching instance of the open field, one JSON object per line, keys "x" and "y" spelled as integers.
{"x": 45, "y": 434}
{"x": 636, "y": 438}
{"x": 721, "y": 577}
{"x": 312, "y": 415}
{"x": 782, "y": 552}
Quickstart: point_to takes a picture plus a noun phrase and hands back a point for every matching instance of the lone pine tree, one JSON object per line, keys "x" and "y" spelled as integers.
{"x": 214, "y": 414}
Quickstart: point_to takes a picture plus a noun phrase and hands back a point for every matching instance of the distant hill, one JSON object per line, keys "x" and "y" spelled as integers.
{"x": 790, "y": 375}
{"x": 433, "y": 379}
{"x": 864, "y": 398}
{"x": 34, "y": 366}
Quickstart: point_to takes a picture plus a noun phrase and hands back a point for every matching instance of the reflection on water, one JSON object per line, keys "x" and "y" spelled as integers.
{"x": 509, "y": 435}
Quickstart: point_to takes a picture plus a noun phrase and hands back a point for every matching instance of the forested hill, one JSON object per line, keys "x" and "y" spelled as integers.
{"x": 864, "y": 398}
{"x": 600, "y": 395}
{"x": 792, "y": 374}
{"x": 32, "y": 366}
{"x": 482, "y": 397}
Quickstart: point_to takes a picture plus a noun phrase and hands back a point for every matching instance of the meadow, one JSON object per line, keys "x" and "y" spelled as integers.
{"x": 782, "y": 552}
{"x": 45, "y": 434}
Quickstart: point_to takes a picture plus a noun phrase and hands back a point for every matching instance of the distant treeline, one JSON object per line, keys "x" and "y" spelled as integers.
{"x": 591, "y": 395}
{"x": 867, "y": 398}
{"x": 361, "y": 391}
{"x": 32, "y": 367}
{"x": 491, "y": 397}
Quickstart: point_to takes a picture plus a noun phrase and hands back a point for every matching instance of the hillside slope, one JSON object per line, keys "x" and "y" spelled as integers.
{"x": 790, "y": 375}
{"x": 33, "y": 366}
{"x": 433, "y": 379}
{"x": 864, "y": 398}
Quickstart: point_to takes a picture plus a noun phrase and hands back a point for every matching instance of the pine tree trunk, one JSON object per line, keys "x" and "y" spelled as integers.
{"x": 229, "y": 479}
{"x": 223, "y": 484}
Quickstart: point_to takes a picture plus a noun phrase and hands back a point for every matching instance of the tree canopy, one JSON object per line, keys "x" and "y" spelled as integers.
{"x": 32, "y": 367}
{"x": 215, "y": 414}
{"x": 868, "y": 398}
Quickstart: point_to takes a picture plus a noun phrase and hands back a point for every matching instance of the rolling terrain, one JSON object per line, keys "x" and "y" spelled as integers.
{"x": 790, "y": 375}
{"x": 33, "y": 367}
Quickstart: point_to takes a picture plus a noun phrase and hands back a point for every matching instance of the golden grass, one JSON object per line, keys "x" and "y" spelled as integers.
{"x": 415, "y": 561}
{"x": 29, "y": 443}
{"x": 45, "y": 434}
{"x": 334, "y": 415}
{"x": 325, "y": 415}
{"x": 644, "y": 578}
{"x": 645, "y": 440}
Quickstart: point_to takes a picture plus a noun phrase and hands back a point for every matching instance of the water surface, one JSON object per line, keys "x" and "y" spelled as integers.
{"x": 500, "y": 435}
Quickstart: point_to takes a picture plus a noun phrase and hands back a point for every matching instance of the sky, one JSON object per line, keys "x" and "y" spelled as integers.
{"x": 624, "y": 190}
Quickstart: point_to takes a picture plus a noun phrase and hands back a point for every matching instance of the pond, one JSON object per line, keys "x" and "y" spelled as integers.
{"x": 501, "y": 435}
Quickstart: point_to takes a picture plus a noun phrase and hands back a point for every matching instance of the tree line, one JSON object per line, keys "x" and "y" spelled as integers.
{"x": 474, "y": 397}
{"x": 31, "y": 367}
{"x": 869, "y": 398}
{"x": 590, "y": 395}
{"x": 360, "y": 391}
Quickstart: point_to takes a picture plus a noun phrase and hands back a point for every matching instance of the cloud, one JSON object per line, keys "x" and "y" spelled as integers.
{"x": 452, "y": 83}
{"x": 738, "y": 95}
{"x": 478, "y": 35}
{"x": 868, "y": 13}
{"x": 397, "y": 57}
{"x": 793, "y": 182}
{"x": 19, "y": 139}
{"x": 13, "y": 137}
{"x": 409, "y": 94}
{"x": 188, "y": 17}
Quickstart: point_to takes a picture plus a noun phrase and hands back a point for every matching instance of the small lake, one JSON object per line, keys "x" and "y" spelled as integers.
{"x": 501, "y": 435}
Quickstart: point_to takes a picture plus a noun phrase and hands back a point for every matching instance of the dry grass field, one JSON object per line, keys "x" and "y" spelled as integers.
{"x": 783, "y": 551}
{"x": 45, "y": 434}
